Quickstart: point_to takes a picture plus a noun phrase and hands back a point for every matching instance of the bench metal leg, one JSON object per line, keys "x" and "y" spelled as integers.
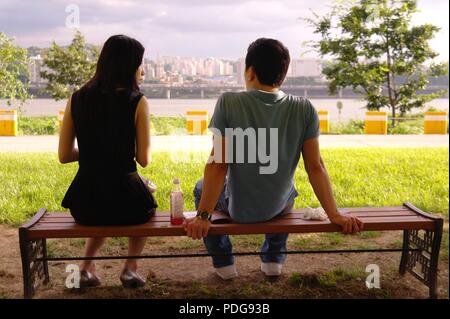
{"x": 33, "y": 271}
{"x": 422, "y": 263}
{"x": 405, "y": 252}
{"x": 45, "y": 262}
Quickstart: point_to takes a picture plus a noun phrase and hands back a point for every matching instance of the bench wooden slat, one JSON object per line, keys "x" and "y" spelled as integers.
{"x": 358, "y": 214}
{"x": 375, "y": 209}
{"x": 220, "y": 229}
{"x": 65, "y": 217}
{"x": 69, "y": 219}
{"x": 62, "y": 225}
{"x": 295, "y": 215}
{"x": 77, "y": 226}
{"x": 164, "y": 224}
{"x": 351, "y": 209}
{"x": 164, "y": 228}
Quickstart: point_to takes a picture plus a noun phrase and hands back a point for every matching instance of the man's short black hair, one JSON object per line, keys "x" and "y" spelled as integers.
{"x": 270, "y": 59}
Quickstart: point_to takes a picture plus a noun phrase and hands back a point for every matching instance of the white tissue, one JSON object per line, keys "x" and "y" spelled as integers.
{"x": 315, "y": 214}
{"x": 190, "y": 214}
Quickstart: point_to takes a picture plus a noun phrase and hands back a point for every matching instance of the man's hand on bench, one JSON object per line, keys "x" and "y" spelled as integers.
{"x": 349, "y": 224}
{"x": 196, "y": 228}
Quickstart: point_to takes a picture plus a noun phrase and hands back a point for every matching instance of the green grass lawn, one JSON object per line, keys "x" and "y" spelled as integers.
{"x": 360, "y": 177}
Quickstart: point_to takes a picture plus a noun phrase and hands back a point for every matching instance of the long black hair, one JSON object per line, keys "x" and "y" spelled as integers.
{"x": 117, "y": 64}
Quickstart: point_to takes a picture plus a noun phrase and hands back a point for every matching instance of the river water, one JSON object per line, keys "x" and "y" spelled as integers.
{"x": 353, "y": 108}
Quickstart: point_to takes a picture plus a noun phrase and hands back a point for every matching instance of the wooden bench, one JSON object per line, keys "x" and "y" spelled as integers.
{"x": 420, "y": 251}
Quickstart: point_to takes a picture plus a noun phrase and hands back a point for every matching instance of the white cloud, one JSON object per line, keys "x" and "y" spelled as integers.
{"x": 181, "y": 27}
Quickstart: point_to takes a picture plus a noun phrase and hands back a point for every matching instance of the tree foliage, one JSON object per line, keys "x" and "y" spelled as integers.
{"x": 372, "y": 44}
{"x": 68, "y": 68}
{"x": 13, "y": 71}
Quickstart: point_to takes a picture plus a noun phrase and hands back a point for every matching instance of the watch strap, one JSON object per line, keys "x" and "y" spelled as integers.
{"x": 204, "y": 215}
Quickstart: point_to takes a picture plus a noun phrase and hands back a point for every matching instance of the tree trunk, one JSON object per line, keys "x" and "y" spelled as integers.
{"x": 391, "y": 84}
{"x": 393, "y": 116}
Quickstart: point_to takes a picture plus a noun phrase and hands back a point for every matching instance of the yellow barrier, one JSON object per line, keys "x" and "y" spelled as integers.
{"x": 435, "y": 123}
{"x": 60, "y": 118}
{"x": 197, "y": 122}
{"x": 324, "y": 118}
{"x": 8, "y": 123}
{"x": 375, "y": 123}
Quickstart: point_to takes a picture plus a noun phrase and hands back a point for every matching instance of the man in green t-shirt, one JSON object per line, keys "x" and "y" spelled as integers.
{"x": 259, "y": 136}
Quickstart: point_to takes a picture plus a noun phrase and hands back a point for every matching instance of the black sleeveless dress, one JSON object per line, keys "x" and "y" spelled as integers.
{"x": 107, "y": 189}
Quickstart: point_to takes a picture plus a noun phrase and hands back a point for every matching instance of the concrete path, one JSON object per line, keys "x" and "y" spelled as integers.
{"x": 203, "y": 143}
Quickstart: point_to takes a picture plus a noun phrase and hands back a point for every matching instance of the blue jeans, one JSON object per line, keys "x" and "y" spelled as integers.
{"x": 221, "y": 244}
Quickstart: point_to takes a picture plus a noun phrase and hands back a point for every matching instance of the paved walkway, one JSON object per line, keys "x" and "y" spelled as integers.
{"x": 203, "y": 143}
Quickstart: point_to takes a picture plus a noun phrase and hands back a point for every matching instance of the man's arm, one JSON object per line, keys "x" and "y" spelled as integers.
{"x": 321, "y": 185}
{"x": 213, "y": 180}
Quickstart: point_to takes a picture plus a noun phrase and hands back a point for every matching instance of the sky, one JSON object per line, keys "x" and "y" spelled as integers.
{"x": 198, "y": 28}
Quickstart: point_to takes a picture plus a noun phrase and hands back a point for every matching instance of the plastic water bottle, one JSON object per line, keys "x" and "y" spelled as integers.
{"x": 176, "y": 203}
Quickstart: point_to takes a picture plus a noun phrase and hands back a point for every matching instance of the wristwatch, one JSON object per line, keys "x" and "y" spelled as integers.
{"x": 204, "y": 215}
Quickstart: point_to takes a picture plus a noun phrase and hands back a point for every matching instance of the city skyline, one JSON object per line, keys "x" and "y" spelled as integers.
{"x": 169, "y": 69}
{"x": 175, "y": 28}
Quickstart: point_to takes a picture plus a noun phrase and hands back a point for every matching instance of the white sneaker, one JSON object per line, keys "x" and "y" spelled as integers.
{"x": 227, "y": 272}
{"x": 271, "y": 269}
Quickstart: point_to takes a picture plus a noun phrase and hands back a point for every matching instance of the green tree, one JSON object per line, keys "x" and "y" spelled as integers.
{"x": 13, "y": 71}
{"x": 373, "y": 43}
{"x": 68, "y": 68}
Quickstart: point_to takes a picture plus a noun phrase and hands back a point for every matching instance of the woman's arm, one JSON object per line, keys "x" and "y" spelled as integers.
{"x": 67, "y": 152}
{"x": 143, "y": 156}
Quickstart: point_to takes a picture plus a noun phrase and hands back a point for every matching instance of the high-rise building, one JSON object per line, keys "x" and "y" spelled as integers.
{"x": 209, "y": 67}
{"x": 149, "y": 69}
{"x": 240, "y": 70}
{"x": 219, "y": 68}
{"x": 159, "y": 71}
{"x": 305, "y": 68}
{"x": 200, "y": 69}
{"x": 228, "y": 68}
{"x": 35, "y": 67}
{"x": 167, "y": 66}
{"x": 188, "y": 68}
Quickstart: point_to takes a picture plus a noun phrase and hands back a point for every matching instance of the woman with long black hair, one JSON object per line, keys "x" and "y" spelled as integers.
{"x": 109, "y": 118}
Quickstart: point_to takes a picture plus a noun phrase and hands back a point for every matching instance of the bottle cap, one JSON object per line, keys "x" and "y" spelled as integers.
{"x": 176, "y": 181}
